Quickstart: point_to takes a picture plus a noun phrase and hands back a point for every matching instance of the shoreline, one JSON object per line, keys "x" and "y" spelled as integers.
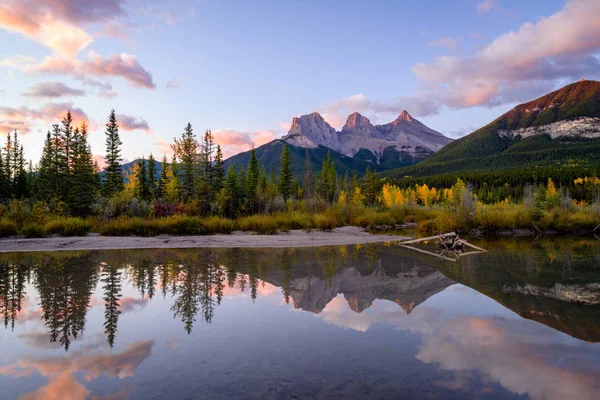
{"x": 348, "y": 235}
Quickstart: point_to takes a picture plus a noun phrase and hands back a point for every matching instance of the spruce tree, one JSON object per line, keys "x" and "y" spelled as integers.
{"x": 218, "y": 171}
{"x": 113, "y": 179}
{"x": 161, "y": 187}
{"x": 285, "y": 175}
{"x": 46, "y": 170}
{"x": 142, "y": 190}
{"x": 186, "y": 149}
{"x": 307, "y": 177}
{"x": 252, "y": 182}
{"x": 68, "y": 134}
{"x": 4, "y": 181}
{"x": 84, "y": 183}
{"x": 232, "y": 190}
{"x": 152, "y": 176}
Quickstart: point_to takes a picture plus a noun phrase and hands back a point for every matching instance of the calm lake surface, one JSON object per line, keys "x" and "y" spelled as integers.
{"x": 370, "y": 321}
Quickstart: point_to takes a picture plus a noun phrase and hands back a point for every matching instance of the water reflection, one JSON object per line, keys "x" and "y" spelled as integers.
{"x": 422, "y": 315}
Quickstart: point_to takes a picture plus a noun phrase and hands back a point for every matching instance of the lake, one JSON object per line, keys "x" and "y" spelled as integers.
{"x": 358, "y": 322}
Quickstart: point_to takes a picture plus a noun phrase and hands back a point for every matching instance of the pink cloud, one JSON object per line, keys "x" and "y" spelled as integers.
{"x": 164, "y": 148}
{"x": 52, "y": 90}
{"x": 130, "y": 123}
{"x": 121, "y": 65}
{"x": 22, "y": 118}
{"x": 100, "y": 160}
{"x": 233, "y": 142}
{"x": 559, "y": 47}
{"x": 58, "y": 24}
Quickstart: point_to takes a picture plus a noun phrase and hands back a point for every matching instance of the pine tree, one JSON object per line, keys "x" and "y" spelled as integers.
{"x": 152, "y": 176}
{"x": 142, "y": 191}
{"x": 84, "y": 183}
{"x": 232, "y": 190}
{"x": 370, "y": 187}
{"x": 218, "y": 171}
{"x": 285, "y": 175}
{"x": 113, "y": 180}
{"x": 186, "y": 151}
{"x": 208, "y": 149}
{"x": 326, "y": 180}
{"x": 307, "y": 184}
{"x": 8, "y": 163}
{"x": 68, "y": 135}
{"x": 252, "y": 182}
{"x": 161, "y": 187}
{"x": 4, "y": 182}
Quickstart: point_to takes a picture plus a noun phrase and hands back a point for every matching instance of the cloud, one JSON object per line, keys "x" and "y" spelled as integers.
{"x": 519, "y": 65}
{"x": 485, "y": 6}
{"x": 336, "y": 112}
{"x": 445, "y": 42}
{"x": 22, "y": 118}
{"x": 58, "y": 24}
{"x": 121, "y": 65}
{"x": 100, "y": 160}
{"x": 233, "y": 141}
{"x": 164, "y": 148}
{"x": 52, "y": 90}
{"x": 173, "y": 84}
{"x": 105, "y": 89}
{"x": 129, "y": 123}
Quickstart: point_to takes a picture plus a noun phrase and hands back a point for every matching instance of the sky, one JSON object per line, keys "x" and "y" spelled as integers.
{"x": 244, "y": 69}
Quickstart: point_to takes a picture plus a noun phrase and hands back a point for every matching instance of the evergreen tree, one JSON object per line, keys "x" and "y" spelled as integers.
{"x": 19, "y": 181}
{"x": 161, "y": 187}
{"x": 186, "y": 151}
{"x": 142, "y": 191}
{"x": 208, "y": 149}
{"x": 218, "y": 171}
{"x": 232, "y": 193}
{"x": 307, "y": 184}
{"x": 326, "y": 180}
{"x": 113, "y": 181}
{"x": 252, "y": 182}
{"x": 8, "y": 163}
{"x": 68, "y": 134}
{"x": 370, "y": 187}
{"x": 285, "y": 175}
{"x": 4, "y": 181}
{"x": 84, "y": 183}
{"x": 152, "y": 176}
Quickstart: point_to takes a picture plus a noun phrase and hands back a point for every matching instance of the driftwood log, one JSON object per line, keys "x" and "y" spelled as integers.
{"x": 450, "y": 246}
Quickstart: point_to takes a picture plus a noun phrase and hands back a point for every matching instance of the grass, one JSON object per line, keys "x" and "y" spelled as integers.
{"x": 489, "y": 219}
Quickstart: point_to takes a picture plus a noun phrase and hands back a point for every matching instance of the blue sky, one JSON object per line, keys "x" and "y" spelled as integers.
{"x": 244, "y": 69}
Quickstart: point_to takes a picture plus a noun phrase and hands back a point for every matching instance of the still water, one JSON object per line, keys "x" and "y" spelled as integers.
{"x": 371, "y": 321}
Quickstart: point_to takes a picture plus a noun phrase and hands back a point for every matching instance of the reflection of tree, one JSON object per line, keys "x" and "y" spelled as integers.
{"x": 12, "y": 290}
{"x": 65, "y": 286}
{"x": 144, "y": 277}
{"x": 111, "y": 284}
{"x": 286, "y": 268}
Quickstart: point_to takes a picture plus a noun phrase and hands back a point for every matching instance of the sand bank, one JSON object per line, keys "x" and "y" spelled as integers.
{"x": 294, "y": 238}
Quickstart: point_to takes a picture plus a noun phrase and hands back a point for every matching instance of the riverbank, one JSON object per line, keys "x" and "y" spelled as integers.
{"x": 293, "y": 238}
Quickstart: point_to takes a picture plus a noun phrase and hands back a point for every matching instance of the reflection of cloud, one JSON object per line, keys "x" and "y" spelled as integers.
{"x": 60, "y": 370}
{"x": 338, "y": 313}
{"x": 519, "y": 354}
{"x": 264, "y": 289}
{"x": 128, "y": 304}
{"x": 41, "y": 340}
{"x": 63, "y": 386}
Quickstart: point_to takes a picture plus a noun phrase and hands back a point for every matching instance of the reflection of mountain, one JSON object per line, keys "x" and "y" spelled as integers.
{"x": 562, "y": 292}
{"x": 407, "y": 286}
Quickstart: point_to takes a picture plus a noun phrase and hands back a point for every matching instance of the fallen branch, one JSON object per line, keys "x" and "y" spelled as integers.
{"x": 445, "y": 235}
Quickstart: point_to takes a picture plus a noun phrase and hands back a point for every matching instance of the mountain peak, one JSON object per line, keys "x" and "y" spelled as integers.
{"x": 355, "y": 119}
{"x": 404, "y": 116}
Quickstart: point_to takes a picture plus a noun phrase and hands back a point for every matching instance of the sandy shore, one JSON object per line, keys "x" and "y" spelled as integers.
{"x": 295, "y": 238}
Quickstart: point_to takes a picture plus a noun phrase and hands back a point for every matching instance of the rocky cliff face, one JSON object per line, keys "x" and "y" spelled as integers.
{"x": 404, "y": 136}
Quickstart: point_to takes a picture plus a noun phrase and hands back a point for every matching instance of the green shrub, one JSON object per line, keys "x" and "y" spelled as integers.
{"x": 325, "y": 222}
{"x": 33, "y": 231}
{"x": 8, "y": 228}
{"x": 218, "y": 225}
{"x": 68, "y": 227}
{"x": 263, "y": 224}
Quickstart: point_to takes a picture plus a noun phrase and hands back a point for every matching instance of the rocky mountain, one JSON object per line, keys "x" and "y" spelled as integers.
{"x": 405, "y": 139}
{"x": 559, "y": 128}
